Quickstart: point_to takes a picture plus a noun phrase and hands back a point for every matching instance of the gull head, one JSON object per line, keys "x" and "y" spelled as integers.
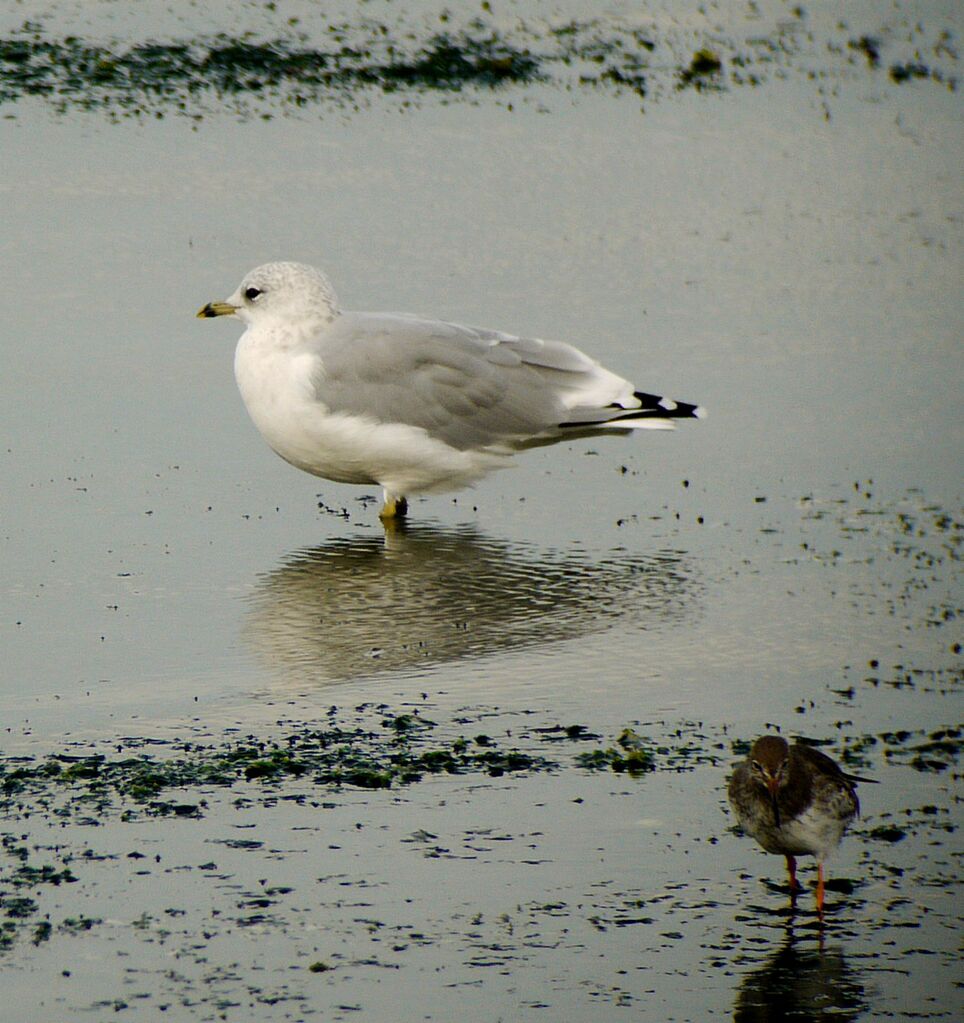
{"x": 291, "y": 293}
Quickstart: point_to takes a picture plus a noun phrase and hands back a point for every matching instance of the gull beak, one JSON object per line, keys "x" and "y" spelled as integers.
{"x": 217, "y": 309}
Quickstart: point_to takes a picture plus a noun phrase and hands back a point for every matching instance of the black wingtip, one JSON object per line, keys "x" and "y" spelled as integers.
{"x": 651, "y": 407}
{"x": 656, "y": 406}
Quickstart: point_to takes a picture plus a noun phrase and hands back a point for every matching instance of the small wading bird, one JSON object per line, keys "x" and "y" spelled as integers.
{"x": 795, "y": 801}
{"x": 413, "y": 405}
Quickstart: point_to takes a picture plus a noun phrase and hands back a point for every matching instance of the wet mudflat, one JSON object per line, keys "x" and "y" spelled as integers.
{"x": 499, "y": 859}
{"x": 262, "y": 760}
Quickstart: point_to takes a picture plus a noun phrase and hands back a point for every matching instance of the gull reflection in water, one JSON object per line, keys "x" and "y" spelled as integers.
{"x": 797, "y": 983}
{"x": 422, "y": 596}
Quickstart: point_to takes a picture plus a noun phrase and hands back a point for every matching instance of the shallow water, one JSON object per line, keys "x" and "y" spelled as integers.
{"x": 790, "y": 561}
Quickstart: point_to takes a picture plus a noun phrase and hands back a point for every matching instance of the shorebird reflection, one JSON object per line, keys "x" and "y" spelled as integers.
{"x": 797, "y": 983}
{"x": 364, "y": 605}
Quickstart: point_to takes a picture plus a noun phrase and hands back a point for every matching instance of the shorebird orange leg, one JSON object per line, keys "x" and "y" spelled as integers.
{"x": 792, "y": 871}
{"x": 820, "y": 889}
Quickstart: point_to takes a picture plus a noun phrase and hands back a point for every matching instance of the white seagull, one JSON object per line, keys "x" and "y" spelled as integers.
{"x": 411, "y": 404}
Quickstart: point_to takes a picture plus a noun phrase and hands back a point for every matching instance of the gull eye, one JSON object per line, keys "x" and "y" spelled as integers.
{"x": 252, "y": 294}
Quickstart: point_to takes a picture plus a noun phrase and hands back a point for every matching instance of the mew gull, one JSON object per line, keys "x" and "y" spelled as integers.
{"x": 413, "y": 405}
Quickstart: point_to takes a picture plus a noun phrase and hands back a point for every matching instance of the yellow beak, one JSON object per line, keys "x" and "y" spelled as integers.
{"x": 216, "y": 309}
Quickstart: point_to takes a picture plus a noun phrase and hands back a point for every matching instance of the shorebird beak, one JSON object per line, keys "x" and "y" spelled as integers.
{"x": 216, "y": 309}
{"x": 774, "y": 786}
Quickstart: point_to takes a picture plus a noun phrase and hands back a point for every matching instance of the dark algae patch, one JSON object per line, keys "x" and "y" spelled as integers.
{"x": 399, "y": 750}
{"x": 636, "y": 754}
{"x": 377, "y": 750}
{"x": 704, "y": 72}
{"x": 151, "y": 77}
{"x": 20, "y": 875}
{"x": 345, "y": 64}
{"x": 370, "y": 748}
{"x": 928, "y": 752}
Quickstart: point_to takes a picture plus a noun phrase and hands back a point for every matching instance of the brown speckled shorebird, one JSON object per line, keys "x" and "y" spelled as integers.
{"x": 795, "y": 801}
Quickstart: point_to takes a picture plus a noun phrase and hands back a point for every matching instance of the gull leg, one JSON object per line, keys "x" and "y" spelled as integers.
{"x": 395, "y": 507}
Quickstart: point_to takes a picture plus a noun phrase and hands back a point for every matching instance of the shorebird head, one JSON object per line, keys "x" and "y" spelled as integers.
{"x": 769, "y": 761}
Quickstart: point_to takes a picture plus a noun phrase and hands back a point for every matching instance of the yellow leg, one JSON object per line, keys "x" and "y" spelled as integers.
{"x": 393, "y": 508}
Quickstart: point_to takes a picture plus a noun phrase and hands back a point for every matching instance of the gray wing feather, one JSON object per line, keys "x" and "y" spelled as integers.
{"x": 467, "y": 386}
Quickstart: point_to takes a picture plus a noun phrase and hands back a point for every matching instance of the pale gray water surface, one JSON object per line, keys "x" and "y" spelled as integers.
{"x": 791, "y": 560}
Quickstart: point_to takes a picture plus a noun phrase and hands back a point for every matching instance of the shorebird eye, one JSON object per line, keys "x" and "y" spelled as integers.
{"x": 251, "y": 294}
{"x": 757, "y": 767}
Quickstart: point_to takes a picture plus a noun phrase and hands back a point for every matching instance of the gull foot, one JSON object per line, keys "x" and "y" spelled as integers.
{"x": 393, "y": 508}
